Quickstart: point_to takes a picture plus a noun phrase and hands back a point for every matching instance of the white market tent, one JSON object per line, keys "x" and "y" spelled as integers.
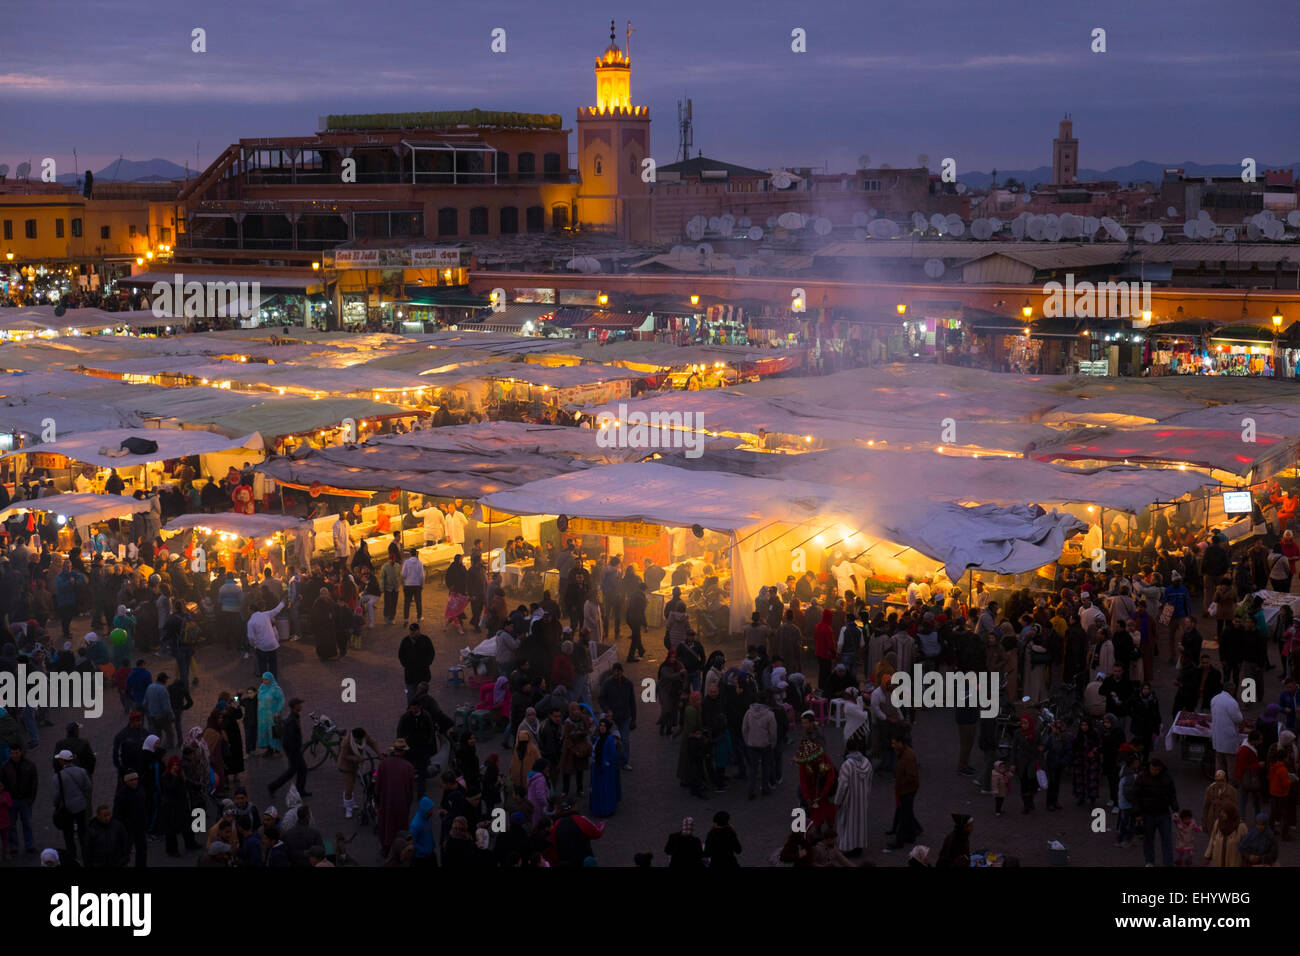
{"x": 81, "y": 510}
{"x": 503, "y": 437}
{"x": 757, "y": 513}
{"x": 89, "y": 447}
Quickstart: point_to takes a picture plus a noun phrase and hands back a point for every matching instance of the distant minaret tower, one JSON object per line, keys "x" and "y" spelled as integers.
{"x": 613, "y": 143}
{"x": 1065, "y": 154}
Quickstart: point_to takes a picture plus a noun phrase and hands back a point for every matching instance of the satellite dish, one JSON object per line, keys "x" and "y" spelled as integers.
{"x": 1230, "y": 235}
{"x": 781, "y": 179}
{"x": 1113, "y": 229}
{"x": 1090, "y": 225}
{"x": 1274, "y": 230}
{"x": 4, "y": 170}
{"x": 1171, "y": 212}
{"x": 704, "y": 249}
{"x": 860, "y": 218}
{"x": 995, "y": 223}
{"x": 1051, "y": 218}
{"x": 961, "y": 189}
{"x": 1071, "y": 226}
{"x": 938, "y": 222}
{"x": 1202, "y": 215}
{"x": 1292, "y": 218}
{"x": 771, "y": 222}
{"x": 726, "y": 224}
{"x": 923, "y": 160}
{"x": 1189, "y": 229}
{"x": 981, "y": 229}
{"x": 942, "y": 228}
{"x": 1018, "y": 228}
{"x": 934, "y": 268}
{"x": 919, "y": 221}
{"x": 882, "y": 229}
{"x": 715, "y": 224}
{"x": 1053, "y": 231}
{"x": 1037, "y": 229}
{"x": 1152, "y": 233}
{"x": 790, "y": 220}
{"x": 1025, "y": 197}
{"x": 1267, "y": 214}
{"x": 864, "y": 161}
{"x": 1253, "y": 232}
{"x": 695, "y": 228}
{"x": 744, "y": 222}
{"x": 23, "y": 170}
{"x": 822, "y": 226}
{"x": 860, "y": 234}
{"x": 957, "y": 229}
{"x": 593, "y": 264}
{"x": 1205, "y": 228}
{"x": 755, "y": 233}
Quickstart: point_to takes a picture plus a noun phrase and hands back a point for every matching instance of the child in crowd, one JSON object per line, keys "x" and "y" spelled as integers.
{"x": 1001, "y": 785}
{"x": 1186, "y": 828}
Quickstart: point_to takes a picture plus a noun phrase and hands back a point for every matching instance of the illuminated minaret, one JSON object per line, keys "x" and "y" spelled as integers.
{"x": 1065, "y": 154}
{"x": 613, "y": 143}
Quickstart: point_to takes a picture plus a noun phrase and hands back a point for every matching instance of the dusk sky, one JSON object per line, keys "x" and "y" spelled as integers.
{"x": 983, "y": 82}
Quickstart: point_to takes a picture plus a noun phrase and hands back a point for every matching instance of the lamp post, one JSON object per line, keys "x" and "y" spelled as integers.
{"x": 1277, "y": 327}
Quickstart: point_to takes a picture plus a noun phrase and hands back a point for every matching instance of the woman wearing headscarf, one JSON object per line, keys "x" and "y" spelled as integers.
{"x": 539, "y": 789}
{"x": 270, "y": 701}
{"x": 575, "y": 751}
{"x": 713, "y": 668}
{"x": 521, "y": 763}
{"x": 424, "y": 833}
{"x": 1218, "y": 795}
{"x": 1225, "y": 839}
{"x": 152, "y": 767}
{"x": 606, "y": 788}
{"x": 1026, "y": 753}
{"x": 1085, "y": 762}
{"x": 684, "y": 848}
{"x": 196, "y": 765}
{"x": 174, "y": 808}
{"x": 672, "y": 680}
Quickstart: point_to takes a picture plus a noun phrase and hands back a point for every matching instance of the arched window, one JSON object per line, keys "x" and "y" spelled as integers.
{"x": 560, "y": 216}
{"x": 632, "y": 165}
{"x": 447, "y": 221}
{"x": 503, "y": 165}
{"x": 478, "y": 221}
{"x": 509, "y": 220}
{"x": 551, "y": 166}
{"x": 527, "y": 165}
{"x": 599, "y": 165}
{"x": 536, "y": 219}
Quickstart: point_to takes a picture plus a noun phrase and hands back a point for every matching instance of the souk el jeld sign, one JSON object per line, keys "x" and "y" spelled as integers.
{"x": 441, "y": 257}
{"x": 622, "y": 529}
{"x": 49, "y": 460}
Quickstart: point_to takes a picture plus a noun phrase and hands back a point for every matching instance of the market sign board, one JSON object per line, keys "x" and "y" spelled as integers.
{"x": 622, "y": 529}
{"x": 422, "y": 257}
{"x": 49, "y": 460}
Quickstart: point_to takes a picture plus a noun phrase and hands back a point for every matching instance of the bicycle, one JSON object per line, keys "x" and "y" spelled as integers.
{"x": 366, "y": 793}
{"x": 326, "y": 739}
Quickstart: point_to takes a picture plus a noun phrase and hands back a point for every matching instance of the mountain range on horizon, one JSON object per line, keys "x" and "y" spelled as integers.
{"x": 164, "y": 170}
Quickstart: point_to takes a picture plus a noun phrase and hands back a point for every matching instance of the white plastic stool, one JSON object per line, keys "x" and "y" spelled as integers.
{"x": 836, "y": 715}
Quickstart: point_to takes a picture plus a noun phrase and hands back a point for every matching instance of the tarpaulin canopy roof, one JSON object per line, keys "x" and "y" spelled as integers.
{"x": 81, "y": 509}
{"x": 560, "y": 376}
{"x": 172, "y": 443}
{"x": 233, "y": 522}
{"x": 69, "y": 415}
{"x": 80, "y": 319}
{"x": 297, "y": 416}
{"x": 1223, "y": 449}
{"x": 385, "y": 466}
{"x": 513, "y": 438}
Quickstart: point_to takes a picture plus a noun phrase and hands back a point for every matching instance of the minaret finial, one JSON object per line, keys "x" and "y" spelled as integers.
{"x": 612, "y": 34}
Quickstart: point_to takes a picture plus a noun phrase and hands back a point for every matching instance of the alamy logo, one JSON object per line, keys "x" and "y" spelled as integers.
{"x": 74, "y": 909}
{"x": 74, "y": 689}
{"x": 209, "y": 300}
{"x": 655, "y": 430}
{"x": 1086, "y": 300}
{"x": 920, "y": 688}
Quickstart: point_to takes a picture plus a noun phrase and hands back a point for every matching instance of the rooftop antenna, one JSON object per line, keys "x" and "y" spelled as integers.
{"x": 628, "y": 49}
{"x": 116, "y": 167}
{"x": 686, "y": 138}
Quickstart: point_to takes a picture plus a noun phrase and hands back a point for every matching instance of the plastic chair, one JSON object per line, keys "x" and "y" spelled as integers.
{"x": 836, "y": 715}
{"x": 818, "y": 706}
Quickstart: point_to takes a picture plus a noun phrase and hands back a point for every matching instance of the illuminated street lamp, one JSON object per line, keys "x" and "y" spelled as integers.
{"x": 1027, "y": 310}
{"x": 695, "y": 300}
{"x": 902, "y": 309}
{"x": 603, "y": 299}
{"x": 1277, "y": 327}
{"x": 315, "y": 267}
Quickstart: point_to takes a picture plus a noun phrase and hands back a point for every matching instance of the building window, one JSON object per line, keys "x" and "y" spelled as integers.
{"x": 503, "y": 165}
{"x": 559, "y": 216}
{"x": 58, "y": 229}
{"x": 509, "y": 220}
{"x": 551, "y": 166}
{"x": 600, "y": 166}
{"x": 165, "y": 234}
{"x": 536, "y": 219}
{"x": 631, "y": 165}
{"x": 527, "y": 165}
{"x": 131, "y": 233}
{"x": 447, "y": 221}
{"x": 871, "y": 185}
{"x": 478, "y": 221}
{"x": 76, "y": 228}
{"x": 9, "y": 228}
{"x": 103, "y": 232}
{"x": 30, "y": 228}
